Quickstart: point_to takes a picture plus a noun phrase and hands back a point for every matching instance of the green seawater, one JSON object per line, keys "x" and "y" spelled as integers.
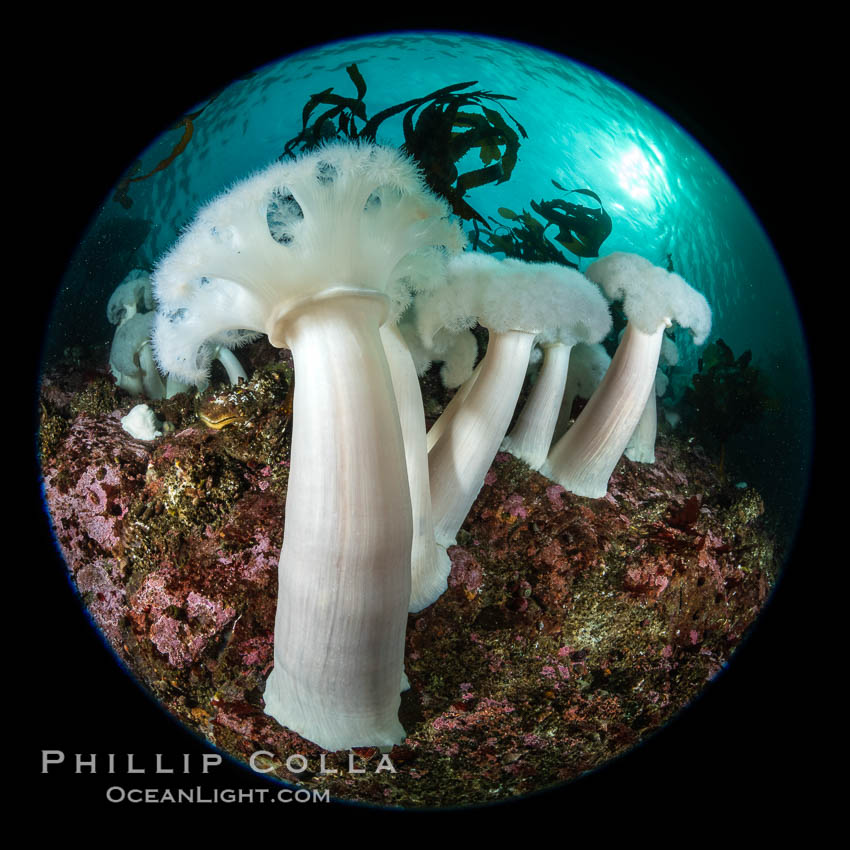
{"x": 668, "y": 200}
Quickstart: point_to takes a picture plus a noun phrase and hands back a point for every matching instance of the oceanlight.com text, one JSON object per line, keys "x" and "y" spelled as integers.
{"x": 118, "y": 794}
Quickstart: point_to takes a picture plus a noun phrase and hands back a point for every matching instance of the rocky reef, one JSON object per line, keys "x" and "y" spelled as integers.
{"x": 572, "y": 628}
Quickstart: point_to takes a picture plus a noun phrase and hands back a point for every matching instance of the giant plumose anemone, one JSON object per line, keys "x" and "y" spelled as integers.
{"x": 319, "y": 253}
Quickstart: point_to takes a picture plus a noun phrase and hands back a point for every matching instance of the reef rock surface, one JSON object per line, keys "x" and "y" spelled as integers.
{"x": 571, "y": 628}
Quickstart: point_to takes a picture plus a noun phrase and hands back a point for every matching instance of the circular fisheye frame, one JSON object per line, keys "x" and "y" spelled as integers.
{"x": 407, "y": 437}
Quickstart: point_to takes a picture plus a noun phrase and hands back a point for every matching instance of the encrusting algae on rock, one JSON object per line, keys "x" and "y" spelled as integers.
{"x": 570, "y": 630}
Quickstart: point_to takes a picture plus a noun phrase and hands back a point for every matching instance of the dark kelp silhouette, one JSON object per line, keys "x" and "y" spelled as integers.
{"x": 726, "y": 394}
{"x": 450, "y": 123}
{"x": 337, "y": 121}
{"x": 581, "y": 230}
{"x": 440, "y": 129}
{"x": 525, "y": 239}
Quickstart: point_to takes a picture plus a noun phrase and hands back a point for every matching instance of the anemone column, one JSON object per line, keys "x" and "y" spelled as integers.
{"x": 345, "y": 562}
{"x": 584, "y": 458}
{"x": 461, "y": 457}
{"x": 455, "y": 404}
{"x": 641, "y": 447}
{"x": 429, "y": 564}
{"x": 532, "y": 435}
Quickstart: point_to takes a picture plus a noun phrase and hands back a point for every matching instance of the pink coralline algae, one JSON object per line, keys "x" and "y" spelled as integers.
{"x": 258, "y": 563}
{"x": 104, "y": 597}
{"x": 465, "y": 570}
{"x": 257, "y": 651}
{"x": 649, "y": 577}
{"x": 468, "y": 717}
{"x": 555, "y": 494}
{"x": 514, "y": 507}
{"x": 556, "y": 671}
{"x": 206, "y": 611}
{"x": 89, "y": 495}
{"x": 165, "y": 634}
{"x": 552, "y": 553}
{"x": 182, "y": 641}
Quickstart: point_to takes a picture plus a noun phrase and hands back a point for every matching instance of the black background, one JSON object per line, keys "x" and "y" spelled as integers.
{"x": 95, "y": 92}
